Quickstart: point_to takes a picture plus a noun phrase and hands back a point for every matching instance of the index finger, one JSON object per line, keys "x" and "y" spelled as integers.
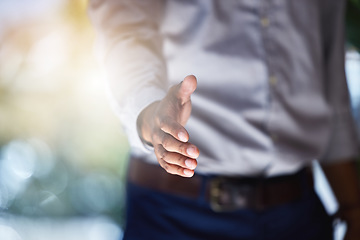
{"x": 175, "y": 129}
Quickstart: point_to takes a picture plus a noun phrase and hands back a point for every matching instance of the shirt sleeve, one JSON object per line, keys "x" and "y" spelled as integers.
{"x": 130, "y": 46}
{"x": 342, "y": 144}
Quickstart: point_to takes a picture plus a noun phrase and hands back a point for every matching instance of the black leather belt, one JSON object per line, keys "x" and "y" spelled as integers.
{"x": 225, "y": 193}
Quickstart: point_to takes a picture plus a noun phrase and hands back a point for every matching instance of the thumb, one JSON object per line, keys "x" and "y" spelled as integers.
{"x": 186, "y": 88}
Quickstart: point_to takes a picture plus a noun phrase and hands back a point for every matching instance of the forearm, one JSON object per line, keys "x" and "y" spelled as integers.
{"x": 130, "y": 45}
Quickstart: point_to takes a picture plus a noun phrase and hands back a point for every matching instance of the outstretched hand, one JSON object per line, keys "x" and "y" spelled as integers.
{"x": 162, "y": 125}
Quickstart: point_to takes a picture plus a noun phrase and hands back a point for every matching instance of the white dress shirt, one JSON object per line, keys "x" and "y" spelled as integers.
{"x": 271, "y": 96}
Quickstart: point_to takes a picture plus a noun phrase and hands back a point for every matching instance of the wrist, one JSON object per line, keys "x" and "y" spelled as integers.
{"x": 143, "y": 123}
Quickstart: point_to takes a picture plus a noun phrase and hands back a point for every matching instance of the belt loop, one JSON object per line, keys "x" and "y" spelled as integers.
{"x": 203, "y": 187}
{"x": 260, "y": 193}
{"x": 307, "y": 181}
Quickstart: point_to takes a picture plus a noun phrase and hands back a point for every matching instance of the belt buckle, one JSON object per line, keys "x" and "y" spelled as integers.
{"x": 226, "y": 195}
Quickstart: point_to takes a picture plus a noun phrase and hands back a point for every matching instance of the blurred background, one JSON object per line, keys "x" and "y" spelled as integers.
{"x": 62, "y": 151}
{"x": 63, "y": 154}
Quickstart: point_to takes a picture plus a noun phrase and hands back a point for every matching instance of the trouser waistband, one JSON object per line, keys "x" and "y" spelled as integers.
{"x": 222, "y": 192}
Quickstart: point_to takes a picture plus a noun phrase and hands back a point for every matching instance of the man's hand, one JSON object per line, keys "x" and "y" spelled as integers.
{"x": 162, "y": 125}
{"x": 344, "y": 180}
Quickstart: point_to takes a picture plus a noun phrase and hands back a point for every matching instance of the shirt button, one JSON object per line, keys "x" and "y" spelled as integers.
{"x": 274, "y": 137}
{"x": 265, "y": 21}
{"x": 273, "y": 80}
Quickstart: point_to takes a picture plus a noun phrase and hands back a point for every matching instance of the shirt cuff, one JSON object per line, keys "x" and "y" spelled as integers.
{"x": 133, "y": 107}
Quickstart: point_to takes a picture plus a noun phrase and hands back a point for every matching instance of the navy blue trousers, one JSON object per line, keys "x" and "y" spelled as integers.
{"x": 160, "y": 216}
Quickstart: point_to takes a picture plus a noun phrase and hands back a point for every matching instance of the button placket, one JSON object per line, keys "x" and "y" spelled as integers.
{"x": 266, "y": 21}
